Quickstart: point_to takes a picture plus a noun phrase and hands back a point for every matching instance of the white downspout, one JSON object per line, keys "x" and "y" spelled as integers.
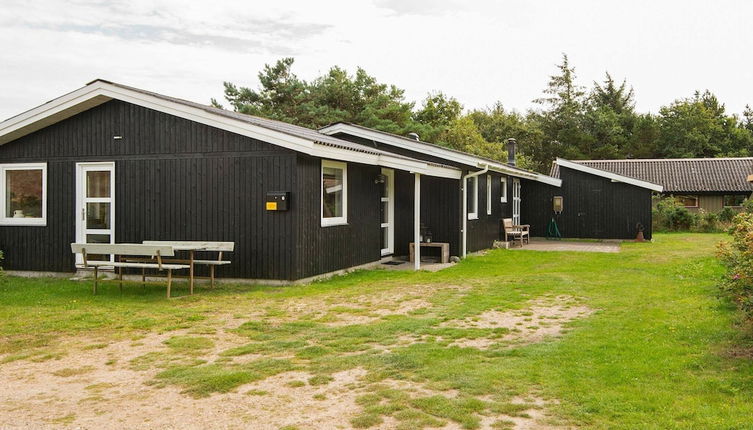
{"x": 465, "y": 205}
{"x": 417, "y": 221}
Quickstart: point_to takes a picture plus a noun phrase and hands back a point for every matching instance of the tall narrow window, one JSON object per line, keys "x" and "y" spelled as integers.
{"x": 472, "y": 184}
{"x": 488, "y": 194}
{"x": 334, "y": 193}
{"x": 503, "y": 190}
{"x": 23, "y": 194}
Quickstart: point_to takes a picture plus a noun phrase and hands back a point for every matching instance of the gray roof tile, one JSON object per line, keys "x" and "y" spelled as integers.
{"x": 687, "y": 175}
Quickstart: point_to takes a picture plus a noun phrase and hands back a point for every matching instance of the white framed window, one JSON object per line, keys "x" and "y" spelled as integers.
{"x": 334, "y": 193}
{"x": 734, "y": 200}
{"x": 472, "y": 184}
{"x": 488, "y": 194}
{"x": 503, "y": 189}
{"x": 689, "y": 201}
{"x": 23, "y": 194}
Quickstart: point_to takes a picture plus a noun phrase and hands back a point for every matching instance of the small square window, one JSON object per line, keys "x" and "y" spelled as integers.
{"x": 334, "y": 193}
{"x": 503, "y": 190}
{"x": 23, "y": 192}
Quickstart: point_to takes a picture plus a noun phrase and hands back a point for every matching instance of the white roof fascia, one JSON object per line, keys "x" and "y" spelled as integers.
{"x": 100, "y": 92}
{"x": 437, "y": 151}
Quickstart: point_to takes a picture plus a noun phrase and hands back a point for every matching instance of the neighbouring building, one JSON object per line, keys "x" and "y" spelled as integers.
{"x": 710, "y": 184}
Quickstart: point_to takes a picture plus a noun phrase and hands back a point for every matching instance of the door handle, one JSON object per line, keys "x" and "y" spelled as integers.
{"x": 83, "y": 214}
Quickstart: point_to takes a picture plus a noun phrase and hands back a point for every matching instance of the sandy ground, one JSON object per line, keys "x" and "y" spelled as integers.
{"x": 97, "y": 386}
{"x": 542, "y": 319}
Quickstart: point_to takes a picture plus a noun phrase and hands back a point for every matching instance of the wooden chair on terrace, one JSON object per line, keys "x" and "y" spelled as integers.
{"x": 517, "y": 232}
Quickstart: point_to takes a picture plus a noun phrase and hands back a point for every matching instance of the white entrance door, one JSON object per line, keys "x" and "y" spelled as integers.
{"x": 516, "y": 201}
{"x": 95, "y": 204}
{"x": 387, "y": 212}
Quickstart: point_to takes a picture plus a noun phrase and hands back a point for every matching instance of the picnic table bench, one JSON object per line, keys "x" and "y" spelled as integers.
{"x": 122, "y": 251}
{"x": 192, "y": 247}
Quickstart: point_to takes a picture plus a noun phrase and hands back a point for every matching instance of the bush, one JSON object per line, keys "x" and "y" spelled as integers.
{"x": 671, "y": 215}
{"x": 747, "y": 205}
{"x": 726, "y": 214}
{"x": 737, "y": 257}
{"x": 709, "y": 221}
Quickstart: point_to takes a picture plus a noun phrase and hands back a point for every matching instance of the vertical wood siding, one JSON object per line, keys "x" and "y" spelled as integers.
{"x": 175, "y": 180}
{"x": 594, "y": 207}
{"x": 326, "y": 249}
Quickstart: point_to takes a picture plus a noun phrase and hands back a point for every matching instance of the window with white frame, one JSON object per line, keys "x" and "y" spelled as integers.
{"x": 472, "y": 187}
{"x": 734, "y": 200}
{"x": 503, "y": 189}
{"x": 334, "y": 193}
{"x": 23, "y": 194}
{"x": 488, "y": 194}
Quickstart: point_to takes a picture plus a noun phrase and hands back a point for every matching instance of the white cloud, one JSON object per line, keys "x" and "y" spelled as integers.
{"x": 479, "y": 52}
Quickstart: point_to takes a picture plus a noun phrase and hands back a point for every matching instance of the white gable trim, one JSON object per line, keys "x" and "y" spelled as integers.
{"x": 99, "y": 92}
{"x": 438, "y": 151}
{"x": 609, "y": 175}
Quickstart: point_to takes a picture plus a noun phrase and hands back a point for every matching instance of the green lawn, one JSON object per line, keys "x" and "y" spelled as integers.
{"x": 660, "y": 349}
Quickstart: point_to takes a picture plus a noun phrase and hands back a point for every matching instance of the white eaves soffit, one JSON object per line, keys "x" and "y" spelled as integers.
{"x": 99, "y": 92}
{"x": 438, "y": 151}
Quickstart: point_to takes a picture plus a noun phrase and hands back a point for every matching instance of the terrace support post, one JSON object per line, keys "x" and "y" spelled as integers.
{"x": 96, "y": 278}
{"x": 417, "y": 221}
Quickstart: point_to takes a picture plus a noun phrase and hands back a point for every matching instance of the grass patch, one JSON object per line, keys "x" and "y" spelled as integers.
{"x": 202, "y": 380}
{"x": 658, "y": 351}
{"x": 68, "y": 372}
{"x": 189, "y": 344}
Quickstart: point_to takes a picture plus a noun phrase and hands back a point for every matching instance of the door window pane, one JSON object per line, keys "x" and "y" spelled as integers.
{"x": 98, "y": 216}
{"x": 98, "y": 238}
{"x": 23, "y": 193}
{"x": 385, "y": 212}
{"x": 98, "y": 184}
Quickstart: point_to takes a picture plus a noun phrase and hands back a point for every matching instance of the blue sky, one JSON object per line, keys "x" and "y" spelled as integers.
{"x": 479, "y": 52}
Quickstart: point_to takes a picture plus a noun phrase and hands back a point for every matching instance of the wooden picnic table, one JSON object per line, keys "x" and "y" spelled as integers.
{"x": 191, "y": 254}
{"x": 197, "y": 246}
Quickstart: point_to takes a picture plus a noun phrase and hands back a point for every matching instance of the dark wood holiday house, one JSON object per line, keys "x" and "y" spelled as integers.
{"x": 109, "y": 163}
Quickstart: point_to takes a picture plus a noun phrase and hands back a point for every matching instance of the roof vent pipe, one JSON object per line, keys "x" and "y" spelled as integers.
{"x": 414, "y": 136}
{"x": 511, "y": 143}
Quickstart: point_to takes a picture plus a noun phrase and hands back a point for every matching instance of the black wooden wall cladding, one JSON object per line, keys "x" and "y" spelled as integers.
{"x": 326, "y": 249}
{"x": 481, "y": 232}
{"x": 594, "y": 207}
{"x": 175, "y": 180}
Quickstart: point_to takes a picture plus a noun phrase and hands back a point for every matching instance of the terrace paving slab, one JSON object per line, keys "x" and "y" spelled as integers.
{"x": 564, "y": 245}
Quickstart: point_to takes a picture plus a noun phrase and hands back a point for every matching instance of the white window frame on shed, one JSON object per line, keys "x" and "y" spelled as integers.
{"x": 488, "y": 194}
{"x": 503, "y": 189}
{"x": 340, "y": 220}
{"x": 472, "y": 183}
{"x": 4, "y": 219}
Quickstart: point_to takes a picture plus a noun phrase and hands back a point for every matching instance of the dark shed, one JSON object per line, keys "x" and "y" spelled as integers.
{"x": 596, "y": 204}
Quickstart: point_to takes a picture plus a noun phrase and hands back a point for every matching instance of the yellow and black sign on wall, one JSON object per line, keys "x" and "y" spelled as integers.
{"x": 278, "y": 200}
